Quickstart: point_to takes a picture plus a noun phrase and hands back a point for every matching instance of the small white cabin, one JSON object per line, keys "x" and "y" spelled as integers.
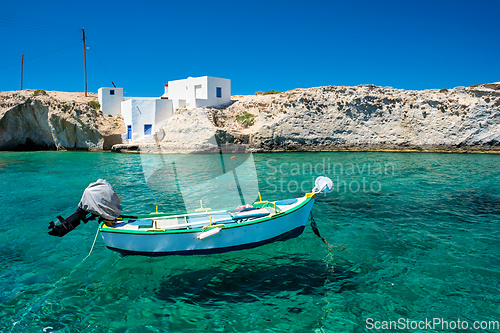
{"x": 195, "y": 92}
{"x": 110, "y": 100}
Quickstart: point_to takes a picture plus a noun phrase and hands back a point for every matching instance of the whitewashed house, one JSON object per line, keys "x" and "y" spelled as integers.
{"x": 142, "y": 115}
{"x": 195, "y": 92}
{"x": 111, "y": 98}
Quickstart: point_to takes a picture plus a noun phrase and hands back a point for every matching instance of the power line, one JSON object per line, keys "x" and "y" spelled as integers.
{"x": 36, "y": 20}
{"x": 93, "y": 50}
{"x": 41, "y": 55}
{"x": 34, "y": 29}
{"x": 34, "y": 25}
{"x": 13, "y": 64}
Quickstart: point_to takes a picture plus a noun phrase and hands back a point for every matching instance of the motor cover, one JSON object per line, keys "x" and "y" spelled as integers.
{"x": 100, "y": 199}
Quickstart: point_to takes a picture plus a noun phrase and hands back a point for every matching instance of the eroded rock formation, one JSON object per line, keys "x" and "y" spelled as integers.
{"x": 365, "y": 117}
{"x": 368, "y": 117}
{"x": 55, "y": 121}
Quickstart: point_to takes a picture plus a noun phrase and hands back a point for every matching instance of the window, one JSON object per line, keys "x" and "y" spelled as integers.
{"x": 129, "y": 132}
{"x": 111, "y": 92}
{"x": 219, "y": 92}
{"x": 147, "y": 129}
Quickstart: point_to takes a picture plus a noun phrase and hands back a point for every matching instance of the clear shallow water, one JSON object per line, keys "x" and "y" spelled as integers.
{"x": 420, "y": 233}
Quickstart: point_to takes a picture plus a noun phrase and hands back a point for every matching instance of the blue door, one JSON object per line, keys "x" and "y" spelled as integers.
{"x": 129, "y": 132}
{"x": 147, "y": 129}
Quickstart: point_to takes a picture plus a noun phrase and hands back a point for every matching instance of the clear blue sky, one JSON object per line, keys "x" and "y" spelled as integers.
{"x": 259, "y": 45}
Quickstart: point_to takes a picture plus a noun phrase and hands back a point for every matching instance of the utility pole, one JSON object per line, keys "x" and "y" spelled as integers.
{"x": 84, "y": 60}
{"x": 22, "y": 60}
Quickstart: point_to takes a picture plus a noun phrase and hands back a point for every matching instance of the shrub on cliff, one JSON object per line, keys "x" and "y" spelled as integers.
{"x": 246, "y": 119}
{"x": 39, "y": 92}
{"x": 271, "y": 92}
{"x": 94, "y": 105}
{"x": 444, "y": 90}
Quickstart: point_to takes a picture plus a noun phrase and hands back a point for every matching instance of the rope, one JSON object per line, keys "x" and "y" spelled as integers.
{"x": 96, "y": 233}
{"x": 316, "y": 231}
{"x": 330, "y": 266}
{"x": 47, "y": 294}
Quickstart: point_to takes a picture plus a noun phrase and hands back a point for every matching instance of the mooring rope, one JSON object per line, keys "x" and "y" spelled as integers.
{"x": 314, "y": 227}
{"x": 96, "y": 233}
{"x": 330, "y": 267}
{"x": 47, "y": 294}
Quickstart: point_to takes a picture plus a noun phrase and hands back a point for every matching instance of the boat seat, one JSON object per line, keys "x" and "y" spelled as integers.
{"x": 271, "y": 209}
{"x": 219, "y": 217}
{"x": 170, "y": 222}
{"x": 141, "y": 222}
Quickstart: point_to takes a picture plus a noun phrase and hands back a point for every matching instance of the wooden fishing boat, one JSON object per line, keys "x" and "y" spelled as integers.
{"x": 209, "y": 231}
{"x": 202, "y": 232}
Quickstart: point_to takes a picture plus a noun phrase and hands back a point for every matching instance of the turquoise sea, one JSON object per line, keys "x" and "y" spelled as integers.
{"x": 415, "y": 237}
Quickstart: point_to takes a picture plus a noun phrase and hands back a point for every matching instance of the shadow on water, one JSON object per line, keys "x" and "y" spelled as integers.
{"x": 476, "y": 202}
{"x": 10, "y": 257}
{"x": 253, "y": 282}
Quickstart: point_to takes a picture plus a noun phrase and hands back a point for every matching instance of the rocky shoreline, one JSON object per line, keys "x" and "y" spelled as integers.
{"x": 332, "y": 118}
{"x": 371, "y": 118}
{"x": 55, "y": 121}
{"x": 362, "y": 118}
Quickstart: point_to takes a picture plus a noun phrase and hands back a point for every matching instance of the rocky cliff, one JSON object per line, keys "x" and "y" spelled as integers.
{"x": 365, "y": 117}
{"x": 55, "y": 120}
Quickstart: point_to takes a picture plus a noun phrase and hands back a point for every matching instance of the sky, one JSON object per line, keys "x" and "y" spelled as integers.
{"x": 259, "y": 45}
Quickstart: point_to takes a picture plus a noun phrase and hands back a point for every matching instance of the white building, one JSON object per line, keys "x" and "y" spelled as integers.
{"x": 111, "y": 98}
{"x": 142, "y": 115}
{"x": 195, "y": 92}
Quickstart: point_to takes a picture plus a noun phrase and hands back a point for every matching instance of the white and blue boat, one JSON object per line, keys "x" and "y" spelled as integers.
{"x": 210, "y": 232}
{"x": 201, "y": 232}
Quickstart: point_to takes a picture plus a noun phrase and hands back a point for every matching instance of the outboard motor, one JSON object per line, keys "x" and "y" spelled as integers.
{"x": 99, "y": 200}
{"x": 70, "y": 223}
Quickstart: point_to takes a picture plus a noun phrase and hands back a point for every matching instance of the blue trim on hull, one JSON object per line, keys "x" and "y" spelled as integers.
{"x": 288, "y": 235}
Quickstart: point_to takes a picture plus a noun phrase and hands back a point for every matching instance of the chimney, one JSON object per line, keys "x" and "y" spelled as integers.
{"x": 165, "y": 95}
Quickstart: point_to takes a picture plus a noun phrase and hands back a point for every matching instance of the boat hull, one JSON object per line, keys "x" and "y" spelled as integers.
{"x": 287, "y": 225}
